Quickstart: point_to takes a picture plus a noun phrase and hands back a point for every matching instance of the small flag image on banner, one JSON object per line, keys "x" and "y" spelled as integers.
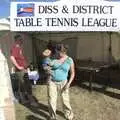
{"x": 25, "y": 10}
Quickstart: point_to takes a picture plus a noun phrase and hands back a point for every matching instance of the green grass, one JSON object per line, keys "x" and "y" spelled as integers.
{"x": 86, "y": 105}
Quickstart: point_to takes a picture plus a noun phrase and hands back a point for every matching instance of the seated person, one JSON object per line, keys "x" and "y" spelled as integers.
{"x": 33, "y": 73}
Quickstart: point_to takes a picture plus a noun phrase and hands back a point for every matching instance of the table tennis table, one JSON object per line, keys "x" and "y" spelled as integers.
{"x": 93, "y": 67}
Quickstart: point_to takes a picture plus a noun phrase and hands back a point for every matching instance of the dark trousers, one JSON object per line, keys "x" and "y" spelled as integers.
{"x": 23, "y": 88}
{"x": 24, "y": 84}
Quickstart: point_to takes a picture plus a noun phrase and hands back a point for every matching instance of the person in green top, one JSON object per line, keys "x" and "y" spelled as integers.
{"x": 59, "y": 82}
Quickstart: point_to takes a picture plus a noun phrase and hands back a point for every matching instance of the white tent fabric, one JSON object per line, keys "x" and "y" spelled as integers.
{"x": 4, "y": 24}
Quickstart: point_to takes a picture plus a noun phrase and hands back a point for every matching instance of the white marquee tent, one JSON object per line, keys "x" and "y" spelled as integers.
{"x": 4, "y": 24}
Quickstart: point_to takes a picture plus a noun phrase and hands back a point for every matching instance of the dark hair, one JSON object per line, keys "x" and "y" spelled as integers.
{"x": 59, "y": 48}
{"x": 17, "y": 37}
{"x": 32, "y": 67}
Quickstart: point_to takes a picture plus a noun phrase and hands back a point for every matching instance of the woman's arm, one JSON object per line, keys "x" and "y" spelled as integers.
{"x": 72, "y": 73}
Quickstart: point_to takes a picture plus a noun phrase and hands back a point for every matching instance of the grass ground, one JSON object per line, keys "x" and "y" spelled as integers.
{"x": 86, "y": 105}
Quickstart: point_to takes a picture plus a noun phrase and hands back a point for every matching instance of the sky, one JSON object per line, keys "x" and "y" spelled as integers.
{"x": 5, "y": 6}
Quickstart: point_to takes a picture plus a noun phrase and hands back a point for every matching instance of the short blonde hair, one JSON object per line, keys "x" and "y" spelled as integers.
{"x": 46, "y": 52}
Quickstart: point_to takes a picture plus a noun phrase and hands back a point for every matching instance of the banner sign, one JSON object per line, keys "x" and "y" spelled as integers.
{"x": 65, "y": 15}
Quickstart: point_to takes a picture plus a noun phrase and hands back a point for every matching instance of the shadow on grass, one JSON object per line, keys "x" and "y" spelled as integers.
{"x": 102, "y": 90}
{"x": 31, "y": 117}
{"x": 104, "y": 79}
{"x": 41, "y": 110}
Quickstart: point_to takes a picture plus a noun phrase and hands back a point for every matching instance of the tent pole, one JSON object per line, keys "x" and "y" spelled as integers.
{"x": 110, "y": 48}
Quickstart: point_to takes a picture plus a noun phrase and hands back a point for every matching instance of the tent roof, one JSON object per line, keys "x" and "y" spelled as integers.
{"x": 5, "y": 21}
{"x": 4, "y": 24}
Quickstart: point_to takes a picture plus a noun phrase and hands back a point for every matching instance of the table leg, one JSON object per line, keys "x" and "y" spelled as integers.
{"x": 90, "y": 81}
{"x": 92, "y": 77}
{"x": 108, "y": 78}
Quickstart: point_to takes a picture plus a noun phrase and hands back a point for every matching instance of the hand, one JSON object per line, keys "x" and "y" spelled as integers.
{"x": 20, "y": 68}
{"x": 48, "y": 81}
{"x": 67, "y": 85}
{"x": 25, "y": 70}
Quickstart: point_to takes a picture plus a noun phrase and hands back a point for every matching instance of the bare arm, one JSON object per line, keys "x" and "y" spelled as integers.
{"x": 72, "y": 73}
{"x": 15, "y": 63}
